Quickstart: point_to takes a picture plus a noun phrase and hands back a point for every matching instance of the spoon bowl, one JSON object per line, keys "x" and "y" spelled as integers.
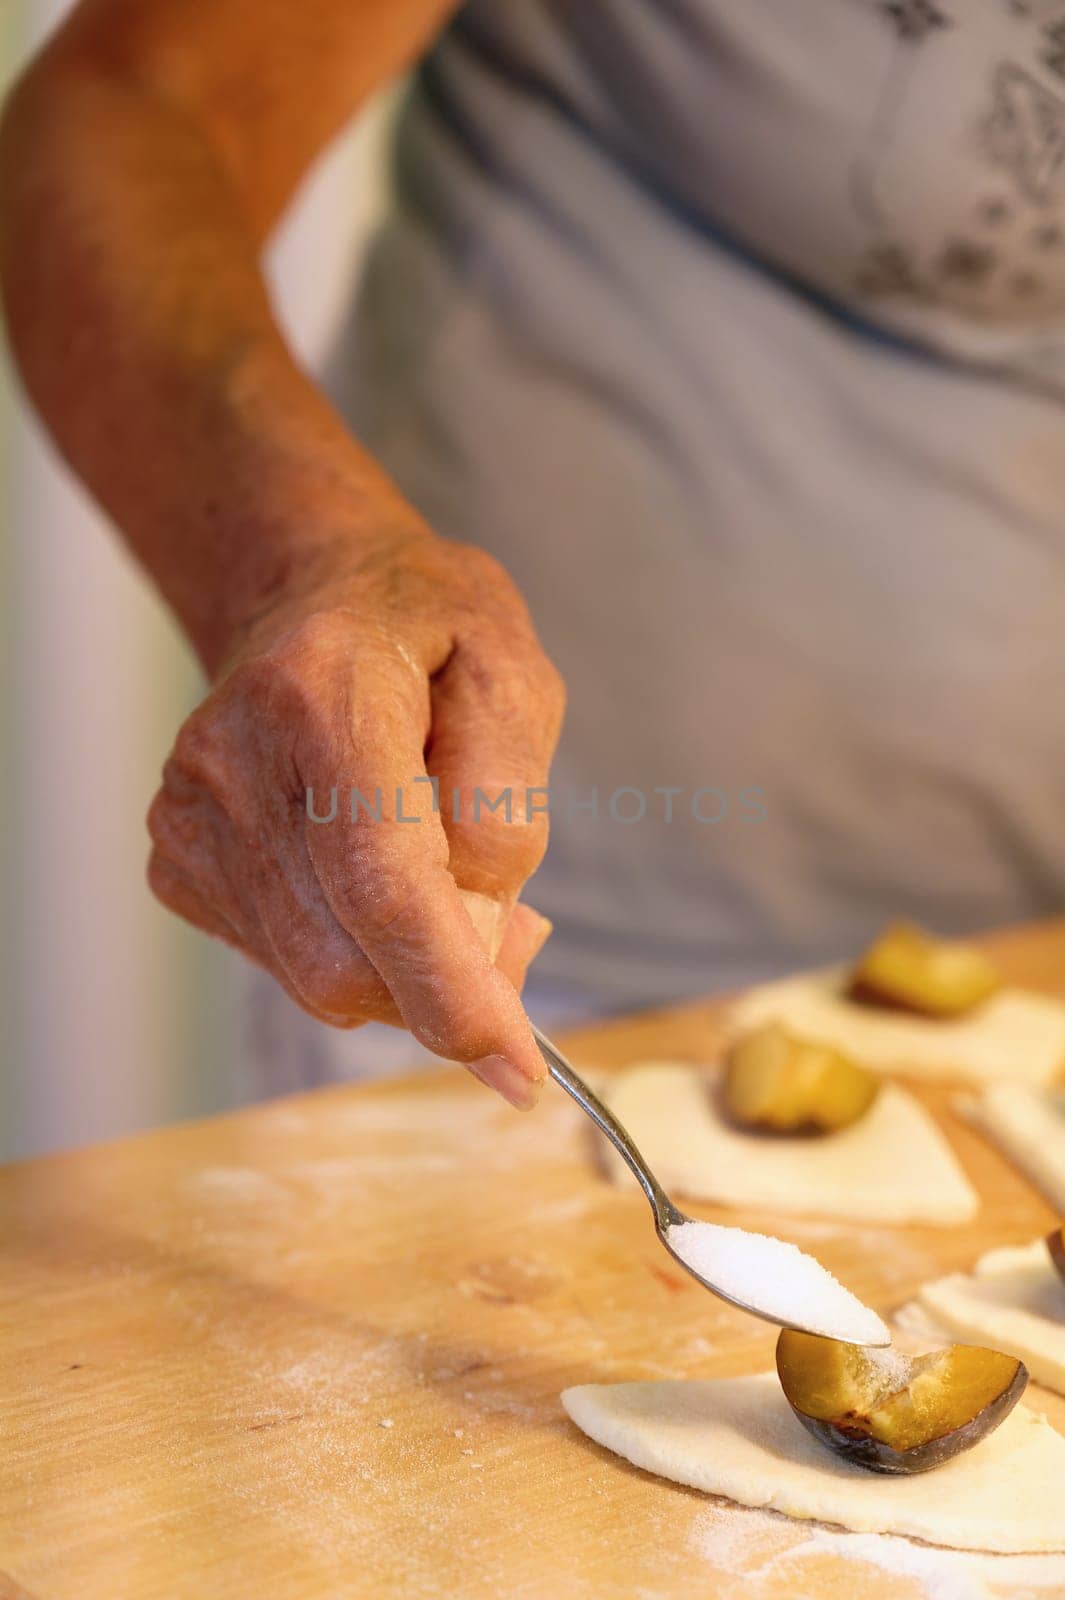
{"x": 669, "y": 1217}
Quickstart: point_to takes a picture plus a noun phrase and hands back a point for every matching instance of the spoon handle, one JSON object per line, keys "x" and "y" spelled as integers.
{"x": 665, "y": 1211}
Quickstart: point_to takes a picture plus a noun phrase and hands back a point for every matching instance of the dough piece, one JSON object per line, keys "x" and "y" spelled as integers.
{"x": 1028, "y": 1125}
{"x": 1016, "y": 1034}
{"x": 739, "y": 1437}
{"x": 892, "y": 1166}
{"x": 1013, "y": 1300}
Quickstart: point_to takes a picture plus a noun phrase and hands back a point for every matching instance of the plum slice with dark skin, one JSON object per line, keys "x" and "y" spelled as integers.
{"x": 776, "y": 1082}
{"x": 893, "y": 1413}
{"x": 1056, "y": 1246}
{"x": 907, "y": 969}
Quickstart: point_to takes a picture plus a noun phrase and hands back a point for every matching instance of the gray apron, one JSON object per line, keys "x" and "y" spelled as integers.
{"x": 737, "y": 332}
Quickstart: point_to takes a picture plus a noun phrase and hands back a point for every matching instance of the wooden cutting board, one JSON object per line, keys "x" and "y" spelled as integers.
{"x": 315, "y": 1350}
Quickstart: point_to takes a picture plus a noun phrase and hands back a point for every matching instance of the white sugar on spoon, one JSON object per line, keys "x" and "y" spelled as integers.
{"x": 775, "y": 1280}
{"x": 767, "y": 1277}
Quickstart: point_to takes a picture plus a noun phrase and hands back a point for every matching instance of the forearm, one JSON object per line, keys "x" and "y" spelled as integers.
{"x": 144, "y": 334}
{"x": 142, "y": 164}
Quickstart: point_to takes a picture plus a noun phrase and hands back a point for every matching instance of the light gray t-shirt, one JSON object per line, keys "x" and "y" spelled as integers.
{"x": 736, "y": 329}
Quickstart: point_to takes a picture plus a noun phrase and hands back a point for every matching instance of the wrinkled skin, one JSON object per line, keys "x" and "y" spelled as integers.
{"x": 417, "y": 659}
{"x": 146, "y": 156}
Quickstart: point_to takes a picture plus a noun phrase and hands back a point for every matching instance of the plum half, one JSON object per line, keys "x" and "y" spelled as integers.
{"x": 776, "y": 1082}
{"x": 893, "y": 1413}
{"x": 910, "y": 970}
{"x": 1056, "y": 1246}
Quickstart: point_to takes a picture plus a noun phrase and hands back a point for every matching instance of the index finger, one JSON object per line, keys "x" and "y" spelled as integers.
{"x": 382, "y": 862}
{"x": 497, "y": 712}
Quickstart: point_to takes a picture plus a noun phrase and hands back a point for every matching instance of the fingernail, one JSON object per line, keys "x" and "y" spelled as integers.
{"x": 489, "y": 917}
{"x": 528, "y": 931}
{"x": 500, "y": 1074}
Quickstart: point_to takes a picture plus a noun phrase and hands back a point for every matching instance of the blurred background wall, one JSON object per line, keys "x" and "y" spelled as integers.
{"x": 115, "y": 1016}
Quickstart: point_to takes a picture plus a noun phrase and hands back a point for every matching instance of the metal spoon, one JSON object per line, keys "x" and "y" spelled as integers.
{"x": 666, "y": 1214}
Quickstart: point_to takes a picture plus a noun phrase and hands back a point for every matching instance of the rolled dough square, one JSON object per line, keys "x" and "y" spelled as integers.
{"x": 1017, "y": 1034}
{"x": 1028, "y": 1125}
{"x": 738, "y": 1437}
{"x": 1013, "y": 1300}
{"x": 892, "y": 1166}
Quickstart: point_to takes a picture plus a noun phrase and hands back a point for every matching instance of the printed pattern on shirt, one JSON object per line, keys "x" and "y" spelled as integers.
{"x": 989, "y": 241}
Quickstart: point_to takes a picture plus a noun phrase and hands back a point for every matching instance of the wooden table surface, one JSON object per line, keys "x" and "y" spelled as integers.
{"x": 315, "y": 1349}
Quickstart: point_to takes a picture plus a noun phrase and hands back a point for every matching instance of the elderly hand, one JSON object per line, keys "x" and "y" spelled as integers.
{"x": 407, "y": 659}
